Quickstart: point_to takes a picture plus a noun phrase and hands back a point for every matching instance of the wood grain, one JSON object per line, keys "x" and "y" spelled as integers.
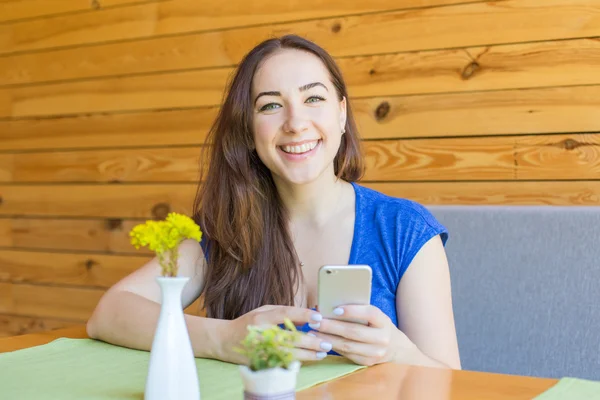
{"x": 549, "y": 110}
{"x": 140, "y": 201}
{"x": 527, "y": 65}
{"x": 545, "y": 64}
{"x": 90, "y": 270}
{"x": 174, "y": 90}
{"x": 39, "y": 338}
{"x": 549, "y": 157}
{"x": 13, "y": 325}
{"x": 509, "y": 193}
{"x": 56, "y": 302}
{"x": 108, "y": 201}
{"x": 170, "y": 164}
{"x": 177, "y": 17}
{"x": 109, "y": 236}
{"x": 393, "y": 381}
{"x": 48, "y": 301}
{"x": 546, "y": 157}
{"x": 26, "y": 9}
{"x": 151, "y": 128}
{"x": 463, "y": 25}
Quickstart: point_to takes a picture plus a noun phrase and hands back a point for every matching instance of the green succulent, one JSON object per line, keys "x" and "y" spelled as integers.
{"x": 270, "y": 346}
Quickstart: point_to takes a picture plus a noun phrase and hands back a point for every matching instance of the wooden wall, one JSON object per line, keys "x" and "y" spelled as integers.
{"x": 104, "y": 104}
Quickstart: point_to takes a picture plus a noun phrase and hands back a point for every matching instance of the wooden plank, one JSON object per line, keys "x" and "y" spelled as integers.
{"x": 90, "y": 235}
{"x": 26, "y": 9}
{"x": 40, "y": 338}
{"x": 48, "y": 301}
{"x": 565, "y": 193}
{"x": 135, "y": 201}
{"x": 152, "y": 128}
{"x": 108, "y": 201}
{"x": 170, "y": 164}
{"x": 90, "y": 270}
{"x": 177, "y": 17}
{"x": 119, "y": 94}
{"x": 497, "y": 158}
{"x": 13, "y": 325}
{"x": 530, "y": 65}
{"x": 491, "y": 158}
{"x": 552, "y": 110}
{"x": 56, "y": 302}
{"x": 464, "y": 25}
{"x": 527, "y": 65}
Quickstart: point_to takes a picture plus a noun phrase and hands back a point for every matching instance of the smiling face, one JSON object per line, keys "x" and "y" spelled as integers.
{"x": 298, "y": 117}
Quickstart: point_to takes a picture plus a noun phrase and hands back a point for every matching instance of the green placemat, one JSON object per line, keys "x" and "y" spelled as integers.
{"x": 572, "y": 389}
{"x": 88, "y": 369}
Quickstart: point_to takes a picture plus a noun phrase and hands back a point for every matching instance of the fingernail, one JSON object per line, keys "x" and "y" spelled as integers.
{"x": 311, "y": 334}
{"x": 326, "y": 346}
{"x": 316, "y": 317}
{"x": 338, "y": 311}
{"x": 315, "y": 326}
{"x": 321, "y": 355}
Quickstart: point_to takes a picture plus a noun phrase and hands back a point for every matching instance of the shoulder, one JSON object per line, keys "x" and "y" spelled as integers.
{"x": 397, "y": 213}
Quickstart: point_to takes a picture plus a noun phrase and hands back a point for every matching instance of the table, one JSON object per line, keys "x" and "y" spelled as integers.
{"x": 382, "y": 382}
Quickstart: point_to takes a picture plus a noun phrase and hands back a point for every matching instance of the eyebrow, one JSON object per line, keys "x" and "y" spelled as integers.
{"x": 301, "y": 88}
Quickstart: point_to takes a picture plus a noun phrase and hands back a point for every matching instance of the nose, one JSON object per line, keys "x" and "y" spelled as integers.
{"x": 296, "y": 121}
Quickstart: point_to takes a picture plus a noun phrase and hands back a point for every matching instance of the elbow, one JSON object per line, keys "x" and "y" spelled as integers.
{"x": 94, "y": 324}
{"x": 453, "y": 364}
{"x": 90, "y": 328}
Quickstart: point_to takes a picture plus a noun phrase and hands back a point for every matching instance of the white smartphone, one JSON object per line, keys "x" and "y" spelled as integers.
{"x": 341, "y": 285}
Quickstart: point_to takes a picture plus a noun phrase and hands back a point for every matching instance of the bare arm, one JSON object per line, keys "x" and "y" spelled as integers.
{"x": 424, "y": 307}
{"x": 128, "y": 312}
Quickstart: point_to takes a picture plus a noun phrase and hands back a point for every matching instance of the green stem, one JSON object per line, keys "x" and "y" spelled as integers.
{"x": 173, "y": 260}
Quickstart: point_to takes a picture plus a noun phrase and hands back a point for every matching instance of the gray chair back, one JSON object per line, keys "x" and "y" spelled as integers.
{"x": 526, "y": 288}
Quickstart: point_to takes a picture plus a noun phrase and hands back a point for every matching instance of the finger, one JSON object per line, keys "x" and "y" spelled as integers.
{"x": 308, "y": 355}
{"x": 370, "y": 313}
{"x": 312, "y": 342}
{"x": 361, "y": 360}
{"x": 351, "y": 330}
{"x": 344, "y": 346}
{"x": 277, "y": 314}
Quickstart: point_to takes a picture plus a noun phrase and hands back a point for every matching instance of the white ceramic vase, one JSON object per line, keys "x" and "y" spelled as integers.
{"x": 172, "y": 373}
{"x": 270, "y": 384}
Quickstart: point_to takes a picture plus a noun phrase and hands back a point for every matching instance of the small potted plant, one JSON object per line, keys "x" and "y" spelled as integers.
{"x": 272, "y": 370}
{"x": 172, "y": 369}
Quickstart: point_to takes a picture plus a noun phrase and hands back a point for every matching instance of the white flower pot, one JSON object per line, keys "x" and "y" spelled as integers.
{"x": 270, "y": 384}
{"x": 172, "y": 371}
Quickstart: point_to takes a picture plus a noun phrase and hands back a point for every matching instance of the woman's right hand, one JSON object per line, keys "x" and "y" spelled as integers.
{"x": 307, "y": 348}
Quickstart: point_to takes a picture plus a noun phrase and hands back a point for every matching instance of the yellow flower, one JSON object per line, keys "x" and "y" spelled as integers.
{"x": 163, "y": 237}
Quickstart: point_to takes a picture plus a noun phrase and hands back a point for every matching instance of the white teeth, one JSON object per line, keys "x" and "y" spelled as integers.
{"x": 303, "y": 148}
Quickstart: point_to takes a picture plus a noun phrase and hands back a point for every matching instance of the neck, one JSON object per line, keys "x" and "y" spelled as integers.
{"x": 312, "y": 203}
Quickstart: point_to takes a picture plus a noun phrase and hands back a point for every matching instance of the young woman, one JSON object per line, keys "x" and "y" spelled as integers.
{"x": 280, "y": 200}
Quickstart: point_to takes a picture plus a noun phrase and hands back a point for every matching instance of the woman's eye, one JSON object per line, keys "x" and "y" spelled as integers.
{"x": 270, "y": 106}
{"x": 314, "y": 99}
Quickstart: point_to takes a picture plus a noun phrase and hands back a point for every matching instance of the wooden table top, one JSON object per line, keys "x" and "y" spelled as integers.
{"x": 382, "y": 382}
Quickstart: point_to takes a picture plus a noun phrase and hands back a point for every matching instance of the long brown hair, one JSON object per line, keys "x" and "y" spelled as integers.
{"x": 251, "y": 257}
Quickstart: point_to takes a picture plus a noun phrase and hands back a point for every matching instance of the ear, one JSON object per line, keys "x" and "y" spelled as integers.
{"x": 343, "y": 114}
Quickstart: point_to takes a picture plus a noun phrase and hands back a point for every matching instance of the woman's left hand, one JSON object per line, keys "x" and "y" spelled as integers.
{"x": 378, "y": 342}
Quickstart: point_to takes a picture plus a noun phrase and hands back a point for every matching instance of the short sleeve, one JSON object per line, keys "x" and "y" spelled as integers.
{"x": 204, "y": 243}
{"x": 416, "y": 227}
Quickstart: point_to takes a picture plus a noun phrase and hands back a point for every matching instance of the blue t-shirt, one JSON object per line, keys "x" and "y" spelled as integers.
{"x": 388, "y": 233}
